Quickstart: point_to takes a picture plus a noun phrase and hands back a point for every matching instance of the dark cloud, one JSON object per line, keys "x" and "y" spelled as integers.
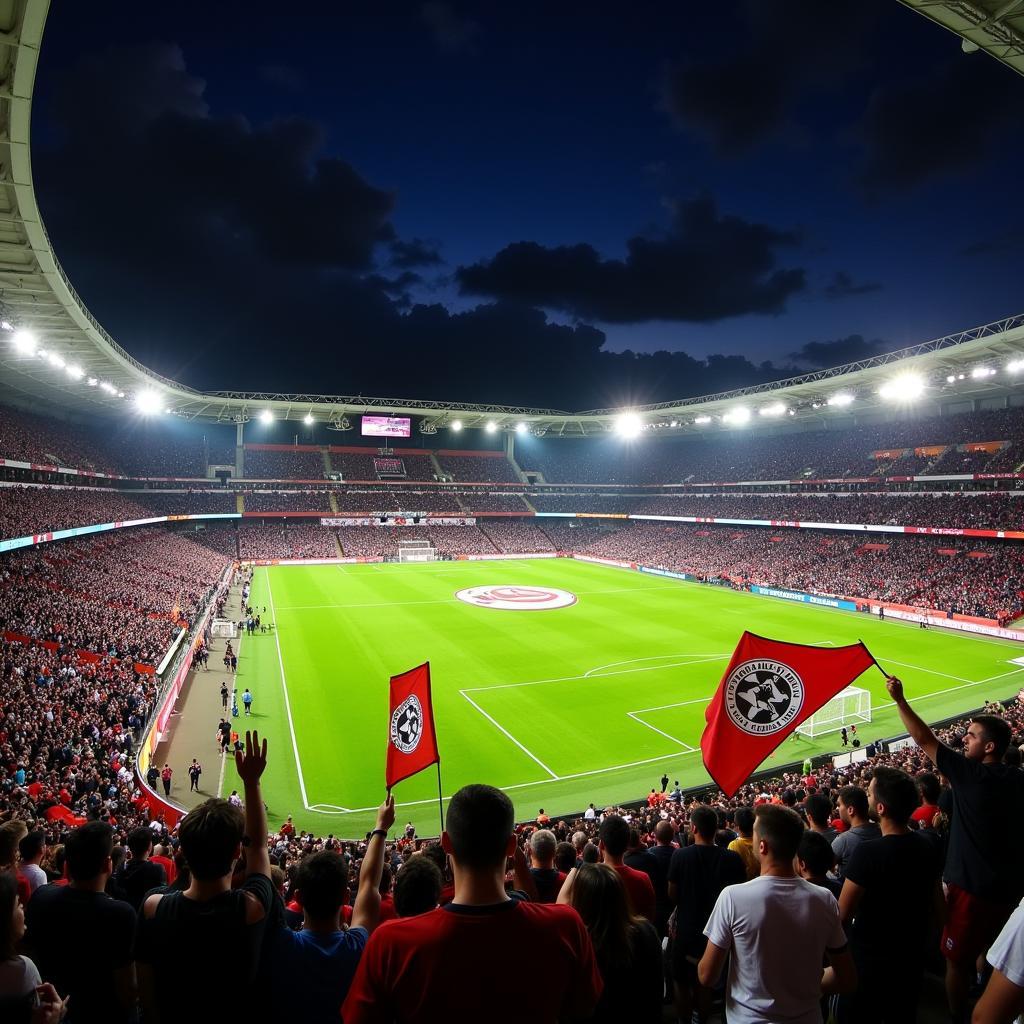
{"x": 842, "y": 286}
{"x": 708, "y": 267}
{"x": 453, "y": 32}
{"x": 935, "y": 125}
{"x": 414, "y": 252}
{"x": 836, "y": 353}
{"x": 751, "y": 92}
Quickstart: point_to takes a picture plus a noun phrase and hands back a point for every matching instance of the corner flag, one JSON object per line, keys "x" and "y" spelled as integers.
{"x": 412, "y": 742}
{"x": 768, "y": 689}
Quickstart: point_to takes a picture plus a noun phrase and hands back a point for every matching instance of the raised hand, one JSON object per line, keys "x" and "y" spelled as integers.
{"x": 386, "y": 813}
{"x": 895, "y": 687}
{"x": 251, "y": 764}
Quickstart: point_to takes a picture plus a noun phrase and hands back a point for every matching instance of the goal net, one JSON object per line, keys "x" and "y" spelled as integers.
{"x": 416, "y": 551}
{"x": 224, "y": 628}
{"x": 851, "y": 706}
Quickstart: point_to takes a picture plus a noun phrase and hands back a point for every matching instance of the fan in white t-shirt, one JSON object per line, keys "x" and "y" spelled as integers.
{"x": 1003, "y": 998}
{"x": 779, "y": 929}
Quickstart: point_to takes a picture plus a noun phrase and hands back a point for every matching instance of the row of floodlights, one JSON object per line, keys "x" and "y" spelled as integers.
{"x": 25, "y": 344}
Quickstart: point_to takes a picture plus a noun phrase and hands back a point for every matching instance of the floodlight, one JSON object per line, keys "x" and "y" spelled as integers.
{"x": 520, "y": 428}
{"x": 904, "y": 388}
{"x": 92, "y": 382}
{"x": 75, "y": 371}
{"x": 701, "y": 420}
{"x": 674, "y": 423}
{"x": 491, "y": 427}
{"x": 841, "y": 399}
{"x": 456, "y": 425}
{"x": 629, "y": 425}
{"x": 149, "y": 403}
{"x": 778, "y": 409}
{"x": 120, "y": 394}
{"x": 739, "y": 415}
{"x": 308, "y": 419}
{"x": 266, "y": 416}
{"x": 5, "y": 326}
{"x": 108, "y": 387}
{"x": 982, "y": 371}
{"x": 1016, "y": 366}
{"x": 25, "y": 342}
{"x": 55, "y": 360}
{"x": 952, "y": 378}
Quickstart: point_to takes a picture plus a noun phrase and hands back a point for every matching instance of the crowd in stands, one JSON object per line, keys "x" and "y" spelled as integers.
{"x": 477, "y": 468}
{"x": 288, "y": 501}
{"x": 27, "y": 510}
{"x": 361, "y": 465}
{"x": 29, "y": 437}
{"x": 121, "y": 593}
{"x": 515, "y": 536}
{"x": 270, "y": 539}
{"x": 147, "y": 453}
{"x": 482, "y": 502}
{"x": 187, "y": 502}
{"x": 290, "y": 463}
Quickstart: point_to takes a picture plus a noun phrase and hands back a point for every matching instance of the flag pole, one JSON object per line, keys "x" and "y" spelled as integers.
{"x": 440, "y": 799}
{"x": 874, "y": 659}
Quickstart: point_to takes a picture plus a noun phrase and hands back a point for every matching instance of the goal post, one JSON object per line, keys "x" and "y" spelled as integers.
{"x": 224, "y": 628}
{"x": 851, "y": 706}
{"x": 420, "y": 550}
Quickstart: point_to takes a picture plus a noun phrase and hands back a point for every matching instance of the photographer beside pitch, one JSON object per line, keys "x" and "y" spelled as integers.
{"x": 982, "y": 876}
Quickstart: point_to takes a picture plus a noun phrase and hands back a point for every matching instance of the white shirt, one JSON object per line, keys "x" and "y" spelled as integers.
{"x": 18, "y": 977}
{"x": 1007, "y": 952}
{"x": 778, "y": 930}
{"x": 35, "y": 875}
{"x": 589, "y": 814}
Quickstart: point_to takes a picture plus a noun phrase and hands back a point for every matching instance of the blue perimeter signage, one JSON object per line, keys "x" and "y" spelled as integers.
{"x": 796, "y": 595}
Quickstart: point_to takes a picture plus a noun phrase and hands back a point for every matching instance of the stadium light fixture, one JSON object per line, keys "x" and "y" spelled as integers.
{"x": 701, "y": 420}
{"x": 904, "y": 388}
{"x": 737, "y": 416}
{"x": 308, "y": 419}
{"x": 982, "y": 371}
{"x": 1015, "y": 366}
{"x": 491, "y": 427}
{"x": 5, "y": 326}
{"x": 266, "y": 416}
{"x": 674, "y": 423}
{"x": 629, "y": 425}
{"x": 520, "y": 428}
{"x": 25, "y": 342}
{"x": 108, "y": 387}
{"x": 149, "y": 403}
{"x": 92, "y": 382}
{"x": 120, "y": 394}
{"x": 456, "y": 425}
{"x": 842, "y": 399}
{"x": 55, "y": 360}
{"x": 75, "y": 371}
{"x": 951, "y": 379}
{"x": 777, "y": 409}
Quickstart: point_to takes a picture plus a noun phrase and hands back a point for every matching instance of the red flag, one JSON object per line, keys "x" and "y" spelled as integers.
{"x": 769, "y": 688}
{"x": 412, "y": 742}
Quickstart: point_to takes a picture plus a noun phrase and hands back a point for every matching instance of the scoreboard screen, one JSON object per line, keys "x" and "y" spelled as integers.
{"x": 386, "y": 426}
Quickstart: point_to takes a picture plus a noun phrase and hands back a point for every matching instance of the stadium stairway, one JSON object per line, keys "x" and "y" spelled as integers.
{"x": 529, "y": 504}
{"x": 328, "y": 468}
{"x": 520, "y": 475}
{"x": 239, "y": 502}
{"x": 334, "y": 501}
{"x": 337, "y": 539}
{"x": 438, "y": 471}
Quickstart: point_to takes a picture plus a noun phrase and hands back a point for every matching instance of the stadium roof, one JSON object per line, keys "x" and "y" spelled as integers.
{"x": 67, "y": 362}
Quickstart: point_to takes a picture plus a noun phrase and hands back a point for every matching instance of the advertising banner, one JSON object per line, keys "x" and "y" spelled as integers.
{"x": 797, "y": 595}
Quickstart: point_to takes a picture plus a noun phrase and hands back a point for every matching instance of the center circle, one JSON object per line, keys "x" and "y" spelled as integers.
{"x": 517, "y": 598}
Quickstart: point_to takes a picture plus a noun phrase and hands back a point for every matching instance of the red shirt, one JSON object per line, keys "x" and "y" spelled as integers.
{"x": 387, "y": 909}
{"x": 925, "y": 814}
{"x": 640, "y": 889}
{"x": 168, "y": 865}
{"x": 468, "y": 963}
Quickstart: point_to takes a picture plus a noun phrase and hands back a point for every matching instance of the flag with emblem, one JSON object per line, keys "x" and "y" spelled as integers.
{"x": 768, "y": 689}
{"x": 412, "y": 742}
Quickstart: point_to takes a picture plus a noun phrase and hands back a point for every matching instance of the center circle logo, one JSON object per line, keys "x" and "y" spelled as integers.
{"x": 763, "y": 696}
{"x": 407, "y": 724}
{"x": 510, "y": 598}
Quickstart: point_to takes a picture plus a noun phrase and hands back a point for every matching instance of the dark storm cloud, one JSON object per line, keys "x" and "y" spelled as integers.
{"x": 708, "y": 267}
{"x": 836, "y": 353}
{"x": 842, "y": 286}
{"x": 935, "y": 125}
{"x": 231, "y": 255}
{"x": 453, "y": 32}
{"x": 414, "y": 252}
{"x": 750, "y": 93}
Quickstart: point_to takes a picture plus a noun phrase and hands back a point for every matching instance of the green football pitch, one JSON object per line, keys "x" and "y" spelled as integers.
{"x": 560, "y": 707}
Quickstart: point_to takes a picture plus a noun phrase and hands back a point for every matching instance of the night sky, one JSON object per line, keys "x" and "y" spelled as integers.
{"x": 568, "y": 205}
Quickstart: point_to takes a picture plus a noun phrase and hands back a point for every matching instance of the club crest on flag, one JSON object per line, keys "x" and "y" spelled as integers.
{"x": 763, "y": 696}
{"x": 407, "y": 724}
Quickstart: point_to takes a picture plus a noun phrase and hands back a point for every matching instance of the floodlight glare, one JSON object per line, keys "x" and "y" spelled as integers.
{"x": 904, "y": 388}
{"x": 149, "y": 403}
{"x": 24, "y": 342}
{"x": 491, "y": 427}
{"x": 75, "y": 371}
{"x": 841, "y": 399}
{"x": 778, "y": 409}
{"x": 629, "y": 425}
{"x": 674, "y": 423}
{"x": 266, "y": 416}
{"x": 739, "y": 415}
{"x": 308, "y": 419}
{"x": 456, "y": 425}
{"x": 950, "y": 379}
{"x": 55, "y": 360}
{"x": 92, "y": 382}
{"x": 982, "y": 371}
{"x": 1016, "y": 366}
{"x": 520, "y": 428}
{"x": 701, "y": 420}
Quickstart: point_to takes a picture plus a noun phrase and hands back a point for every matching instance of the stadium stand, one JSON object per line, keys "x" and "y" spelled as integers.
{"x": 284, "y": 462}
{"x": 187, "y": 502}
{"x": 515, "y": 536}
{"x": 29, "y": 437}
{"x": 148, "y": 454}
{"x": 288, "y": 501}
{"x": 27, "y": 510}
{"x": 479, "y": 502}
{"x": 477, "y": 468}
{"x": 271, "y": 539}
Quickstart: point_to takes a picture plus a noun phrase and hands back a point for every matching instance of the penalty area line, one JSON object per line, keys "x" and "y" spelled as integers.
{"x": 635, "y": 716}
{"x": 502, "y": 729}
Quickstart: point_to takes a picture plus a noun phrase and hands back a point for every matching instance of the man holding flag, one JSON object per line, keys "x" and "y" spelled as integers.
{"x": 769, "y": 688}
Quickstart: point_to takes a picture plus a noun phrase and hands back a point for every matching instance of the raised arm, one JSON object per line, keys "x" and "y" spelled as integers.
{"x": 250, "y": 766}
{"x": 920, "y": 731}
{"x": 366, "y": 911}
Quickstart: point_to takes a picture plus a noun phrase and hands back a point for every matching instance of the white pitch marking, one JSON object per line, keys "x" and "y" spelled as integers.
{"x": 678, "y": 704}
{"x": 502, "y": 728}
{"x": 287, "y": 702}
{"x": 674, "y": 739}
{"x": 656, "y": 657}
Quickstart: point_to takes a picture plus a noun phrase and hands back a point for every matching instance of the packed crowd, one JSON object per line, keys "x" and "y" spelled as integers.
{"x": 187, "y": 502}
{"x": 356, "y": 465}
{"x": 288, "y": 501}
{"x": 27, "y": 510}
{"x": 515, "y": 536}
{"x": 272, "y": 539}
{"x": 831, "y": 891}
{"x": 283, "y": 463}
{"x": 124, "y": 594}
{"x": 477, "y": 468}
{"x": 475, "y": 501}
